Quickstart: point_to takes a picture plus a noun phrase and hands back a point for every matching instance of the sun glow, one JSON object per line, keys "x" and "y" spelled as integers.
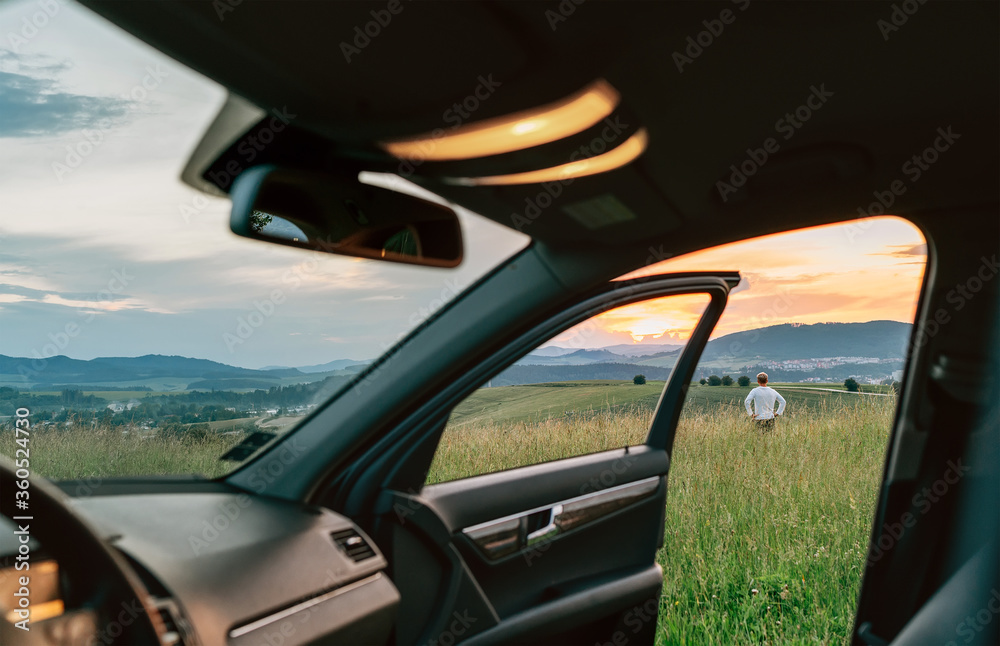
{"x": 863, "y": 270}
{"x": 662, "y": 320}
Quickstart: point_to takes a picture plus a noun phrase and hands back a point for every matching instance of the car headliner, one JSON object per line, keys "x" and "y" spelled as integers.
{"x": 890, "y": 87}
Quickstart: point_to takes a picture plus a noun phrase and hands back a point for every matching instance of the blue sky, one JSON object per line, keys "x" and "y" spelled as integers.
{"x": 95, "y": 127}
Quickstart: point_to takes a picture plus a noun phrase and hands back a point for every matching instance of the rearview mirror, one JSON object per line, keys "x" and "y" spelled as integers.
{"x": 330, "y": 213}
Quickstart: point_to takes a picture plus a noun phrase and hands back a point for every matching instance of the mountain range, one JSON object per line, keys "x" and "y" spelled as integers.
{"x": 879, "y": 339}
{"x": 882, "y": 340}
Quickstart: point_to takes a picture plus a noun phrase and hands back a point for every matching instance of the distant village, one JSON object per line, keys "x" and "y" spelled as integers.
{"x": 825, "y": 362}
{"x": 121, "y": 407}
{"x": 878, "y": 370}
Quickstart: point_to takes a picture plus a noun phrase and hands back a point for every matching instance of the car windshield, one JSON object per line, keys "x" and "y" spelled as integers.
{"x": 135, "y": 324}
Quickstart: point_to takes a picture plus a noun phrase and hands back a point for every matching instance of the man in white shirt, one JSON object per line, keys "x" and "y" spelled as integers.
{"x": 763, "y": 398}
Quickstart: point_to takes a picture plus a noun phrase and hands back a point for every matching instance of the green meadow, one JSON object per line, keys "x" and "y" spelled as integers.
{"x": 765, "y": 535}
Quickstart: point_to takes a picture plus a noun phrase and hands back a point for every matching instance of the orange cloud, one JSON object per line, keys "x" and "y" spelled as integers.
{"x": 851, "y": 272}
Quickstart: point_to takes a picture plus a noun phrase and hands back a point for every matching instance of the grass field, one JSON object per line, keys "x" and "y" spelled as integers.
{"x": 765, "y": 534}
{"x": 85, "y": 453}
{"x": 542, "y": 401}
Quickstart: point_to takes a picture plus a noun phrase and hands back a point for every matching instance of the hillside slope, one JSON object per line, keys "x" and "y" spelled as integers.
{"x": 880, "y": 339}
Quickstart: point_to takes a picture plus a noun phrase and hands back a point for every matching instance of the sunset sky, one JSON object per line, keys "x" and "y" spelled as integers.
{"x": 865, "y": 270}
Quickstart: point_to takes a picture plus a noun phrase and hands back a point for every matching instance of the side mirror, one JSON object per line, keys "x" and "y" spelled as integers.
{"x": 338, "y": 215}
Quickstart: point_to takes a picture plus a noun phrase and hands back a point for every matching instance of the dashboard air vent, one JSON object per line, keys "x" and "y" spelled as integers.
{"x": 353, "y": 544}
{"x": 175, "y": 627}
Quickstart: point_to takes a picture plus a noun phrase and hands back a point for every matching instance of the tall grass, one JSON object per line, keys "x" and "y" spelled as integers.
{"x": 486, "y": 446}
{"x": 82, "y": 452}
{"x": 765, "y": 533}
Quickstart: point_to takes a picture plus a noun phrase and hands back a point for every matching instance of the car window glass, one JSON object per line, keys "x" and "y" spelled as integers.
{"x": 139, "y": 333}
{"x": 591, "y": 388}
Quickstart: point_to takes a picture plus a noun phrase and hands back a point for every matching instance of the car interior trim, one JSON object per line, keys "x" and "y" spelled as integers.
{"x": 299, "y": 607}
{"x": 617, "y": 157}
{"x": 517, "y": 131}
{"x": 500, "y": 537}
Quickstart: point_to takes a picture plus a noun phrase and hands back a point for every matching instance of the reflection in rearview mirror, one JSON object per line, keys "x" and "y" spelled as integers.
{"x": 329, "y": 213}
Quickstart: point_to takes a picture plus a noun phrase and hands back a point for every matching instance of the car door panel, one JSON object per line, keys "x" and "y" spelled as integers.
{"x": 459, "y": 503}
{"x": 629, "y": 598}
{"x": 555, "y": 552}
{"x": 552, "y": 587}
{"x": 631, "y": 536}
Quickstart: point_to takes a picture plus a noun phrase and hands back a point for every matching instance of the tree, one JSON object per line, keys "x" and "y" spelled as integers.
{"x": 727, "y": 380}
{"x": 703, "y": 381}
{"x": 851, "y": 385}
{"x": 639, "y": 380}
{"x": 895, "y": 387}
{"x": 743, "y": 381}
{"x": 714, "y": 380}
{"x": 259, "y": 220}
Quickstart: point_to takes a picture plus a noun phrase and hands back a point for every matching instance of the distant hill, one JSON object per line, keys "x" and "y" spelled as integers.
{"x": 553, "y": 351}
{"x": 338, "y": 364}
{"x": 622, "y": 349}
{"x": 518, "y": 375}
{"x": 575, "y": 358}
{"x": 65, "y": 371}
{"x": 879, "y": 339}
{"x": 642, "y": 349}
{"x": 876, "y": 339}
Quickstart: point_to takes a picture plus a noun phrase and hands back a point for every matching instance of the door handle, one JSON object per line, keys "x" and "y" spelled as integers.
{"x": 549, "y": 531}
{"x": 496, "y": 539}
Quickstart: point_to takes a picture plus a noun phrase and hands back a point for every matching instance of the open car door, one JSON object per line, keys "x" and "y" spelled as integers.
{"x": 562, "y": 551}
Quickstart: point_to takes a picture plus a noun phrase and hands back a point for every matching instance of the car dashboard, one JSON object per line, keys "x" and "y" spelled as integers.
{"x": 226, "y": 567}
